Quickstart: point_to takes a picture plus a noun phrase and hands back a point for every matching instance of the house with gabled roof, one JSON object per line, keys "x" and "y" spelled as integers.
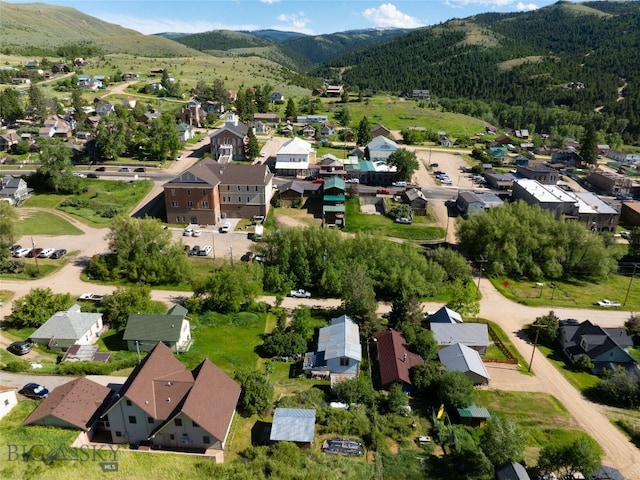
{"x": 294, "y": 158}
{"x": 331, "y": 165}
{"x": 445, "y": 315}
{"x": 228, "y": 143}
{"x": 144, "y": 331}
{"x": 339, "y": 351}
{"x": 381, "y": 130}
{"x": 69, "y": 327}
{"x": 395, "y": 359}
{"x": 295, "y": 425}
{"x": 76, "y": 405}
{"x": 512, "y": 471}
{"x": 473, "y": 335}
{"x": 299, "y": 189}
{"x": 380, "y": 148}
{"x": 166, "y": 406}
{"x": 14, "y": 189}
{"x": 416, "y": 200}
{"x": 460, "y": 358}
{"x": 607, "y": 348}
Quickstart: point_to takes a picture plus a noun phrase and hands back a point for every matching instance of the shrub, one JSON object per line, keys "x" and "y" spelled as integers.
{"x": 17, "y": 366}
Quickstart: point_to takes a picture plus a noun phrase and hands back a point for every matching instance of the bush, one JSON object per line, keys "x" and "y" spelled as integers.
{"x": 94, "y": 368}
{"x": 17, "y": 366}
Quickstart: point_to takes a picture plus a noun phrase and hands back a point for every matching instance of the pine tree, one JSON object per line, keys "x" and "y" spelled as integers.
{"x": 364, "y": 132}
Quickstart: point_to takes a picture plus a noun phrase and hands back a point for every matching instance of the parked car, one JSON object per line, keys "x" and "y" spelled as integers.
{"x": 300, "y": 293}
{"x": 91, "y": 297}
{"x": 15, "y": 248}
{"x": 625, "y": 235}
{"x": 34, "y": 390}
{"x": 61, "y": 252}
{"x": 225, "y": 228}
{"x": 195, "y": 250}
{"x": 257, "y": 219}
{"x": 383, "y": 191}
{"x": 608, "y": 303}
{"x": 46, "y": 253}
{"x": 317, "y": 180}
{"x": 101, "y": 169}
{"x": 446, "y": 181}
{"x": 399, "y": 184}
{"x": 19, "y": 348}
{"x": 204, "y": 251}
{"x": 352, "y": 180}
{"x": 187, "y": 232}
{"x": 196, "y": 233}
{"x": 21, "y": 252}
{"x": 247, "y": 257}
{"x": 78, "y": 174}
{"x": 403, "y": 220}
{"x": 34, "y": 252}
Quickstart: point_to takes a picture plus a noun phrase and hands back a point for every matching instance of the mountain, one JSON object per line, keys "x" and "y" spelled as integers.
{"x": 289, "y": 48}
{"x": 580, "y": 56}
{"x": 43, "y": 29}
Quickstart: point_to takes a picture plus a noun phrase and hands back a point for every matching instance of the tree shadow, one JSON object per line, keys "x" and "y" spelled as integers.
{"x": 260, "y": 433}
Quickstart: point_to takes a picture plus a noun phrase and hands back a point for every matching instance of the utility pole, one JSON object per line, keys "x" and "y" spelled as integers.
{"x": 231, "y": 255}
{"x": 33, "y": 244}
{"x": 481, "y": 261}
{"x": 535, "y": 343}
{"x": 635, "y": 265}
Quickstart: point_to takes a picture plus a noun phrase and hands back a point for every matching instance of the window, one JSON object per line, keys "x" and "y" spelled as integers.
{"x": 172, "y": 437}
{"x": 128, "y": 403}
{"x": 174, "y": 204}
{"x": 195, "y": 424}
{"x": 206, "y": 439}
{"x": 188, "y": 193}
{"x": 247, "y": 188}
{"x": 132, "y": 419}
{"x": 189, "y": 204}
{"x": 238, "y": 187}
{"x": 178, "y": 422}
{"x": 204, "y": 193}
{"x": 150, "y": 419}
{"x": 178, "y": 218}
{"x": 344, "y": 361}
{"x": 173, "y": 192}
{"x": 118, "y": 434}
{"x": 205, "y": 204}
{"x": 6, "y": 402}
{"x": 248, "y": 199}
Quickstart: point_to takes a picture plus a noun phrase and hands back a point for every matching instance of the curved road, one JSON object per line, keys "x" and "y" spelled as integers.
{"x": 619, "y": 451}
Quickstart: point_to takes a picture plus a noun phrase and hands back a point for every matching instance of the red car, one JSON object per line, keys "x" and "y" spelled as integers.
{"x": 383, "y": 191}
{"x": 317, "y": 180}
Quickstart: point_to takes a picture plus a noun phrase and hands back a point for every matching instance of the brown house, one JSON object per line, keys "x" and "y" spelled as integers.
{"x": 381, "y": 130}
{"x": 298, "y": 189}
{"x": 416, "y": 200}
{"x": 395, "y": 359}
{"x": 209, "y": 190}
{"x": 228, "y": 143}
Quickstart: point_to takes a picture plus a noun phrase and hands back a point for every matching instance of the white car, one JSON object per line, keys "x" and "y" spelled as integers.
{"x": 225, "y": 228}
{"x": 196, "y": 233}
{"x": 46, "y": 253}
{"x": 608, "y": 304}
{"x": 300, "y": 293}
{"x": 399, "y": 184}
{"x": 92, "y": 297}
{"x": 78, "y": 174}
{"x": 187, "y": 232}
{"x": 21, "y": 252}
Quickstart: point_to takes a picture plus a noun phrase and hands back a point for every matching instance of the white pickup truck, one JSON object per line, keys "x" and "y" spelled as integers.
{"x": 92, "y": 297}
{"x": 300, "y": 293}
{"x": 608, "y": 304}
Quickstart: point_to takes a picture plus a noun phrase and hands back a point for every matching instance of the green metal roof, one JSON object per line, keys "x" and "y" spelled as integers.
{"x": 333, "y": 208}
{"x": 334, "y": 182}
{"x": 156, "y": 328}
{"x": 367, "y": 166}
{"x": 474, "y": 411}
{"x": 334, "y": 198}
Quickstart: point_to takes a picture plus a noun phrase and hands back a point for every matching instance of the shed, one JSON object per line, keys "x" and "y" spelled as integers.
{"x": 473, "y": 415}
{"x": 294, "y": 425}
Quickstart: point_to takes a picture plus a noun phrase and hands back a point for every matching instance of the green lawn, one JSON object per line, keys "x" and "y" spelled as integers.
{"x": 100, "y": 203}
{"x": 571, "y": 293}
{"x": 45, "y": 223}
{"x": 381, "y": 225}
{"x": 578, "y": 378}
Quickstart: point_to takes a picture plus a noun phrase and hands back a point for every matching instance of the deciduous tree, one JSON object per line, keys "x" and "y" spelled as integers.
{"x": 405, "y": 162}
{"x": 502, "y": 440}
{"x": 257, "y": 391}
{"x": 124, "y": 301}
{"x": 8, "y": 232}
{"x": 36, "y": 307}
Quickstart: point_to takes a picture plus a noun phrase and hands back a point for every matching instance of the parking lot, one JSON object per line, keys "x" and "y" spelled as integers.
{"x": 224, "y": 245}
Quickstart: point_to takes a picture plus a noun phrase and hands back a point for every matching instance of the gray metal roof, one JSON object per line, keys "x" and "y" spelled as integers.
{"x": 340, "y": 339}
{"x": 460, "y": 358}
{"x": 470, "y": 334}
{"x": 71, "y": 324}
{"x": 293, "y": 425}
{"x": 445, "y": 315}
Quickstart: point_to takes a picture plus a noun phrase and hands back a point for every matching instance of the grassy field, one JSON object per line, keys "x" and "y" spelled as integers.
{"x": 571, "y": 293}
{"x": 96, "y": 206}
{"x": 44, "y": 223}
{"x": 577, "y": 377}
{"x": 383, "y": 226}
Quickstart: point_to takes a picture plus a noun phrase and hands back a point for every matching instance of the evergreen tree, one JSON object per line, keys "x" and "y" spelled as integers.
{"x": 364, "y": 132}
{"x": 77, "y": 102}
{"x": 589, "y": 145}
{"x": 253, "y": 147}
{"x": 290, "y": 110}
{"x": 37, "y": 103}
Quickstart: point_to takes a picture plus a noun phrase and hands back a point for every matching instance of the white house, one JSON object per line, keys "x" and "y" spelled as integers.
{"x": 144, "y": 331}
{"x": 380, "y": 148}
{"x": 69, "y": 327}
{"x": 8, "y": 400}
{"x": 294, "y": 157}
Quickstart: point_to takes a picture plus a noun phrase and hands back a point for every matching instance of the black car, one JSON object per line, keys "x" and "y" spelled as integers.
{"x": 35, "y": 391}
{"x": 195, "y": 250}
{"x": 140, "y": 169}
{"x": 15, "y": 248}
{"x": 92, "y": 175}
{"x": 61, "y": 252}
{"x": 19, "y": 348}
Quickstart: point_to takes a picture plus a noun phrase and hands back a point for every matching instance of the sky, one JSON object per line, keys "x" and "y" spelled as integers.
{"x": 312, "y": 17}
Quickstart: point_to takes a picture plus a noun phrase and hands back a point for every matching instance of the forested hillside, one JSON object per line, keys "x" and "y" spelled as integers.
{"x": 579, "y": 56}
